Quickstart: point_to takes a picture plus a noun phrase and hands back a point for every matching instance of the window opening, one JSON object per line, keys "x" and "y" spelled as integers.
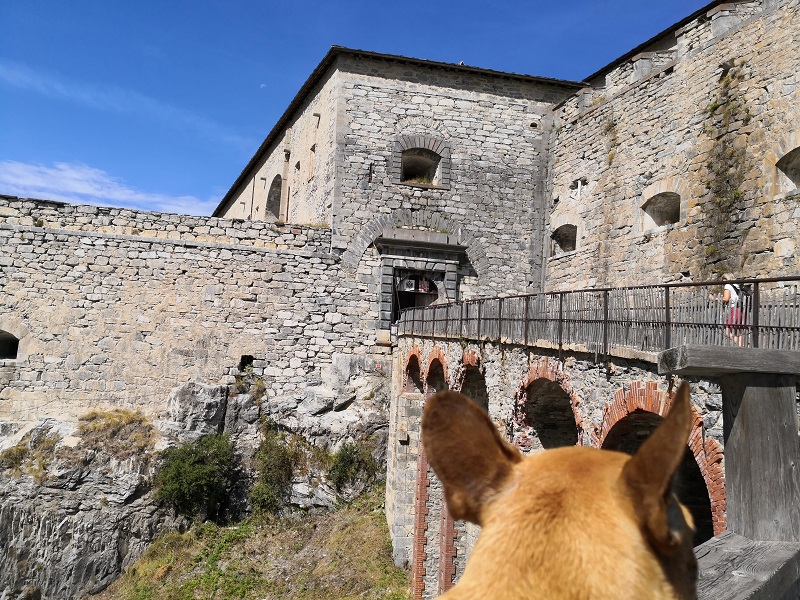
{"x": 274, "y": 196}
{"x": 245, "y": 362}
{"x": 420, "y": 166}
{"x": 576, "y": 188}
{"x": 564, "y": 239}
{"x": 9, "y": 346}
{"x": 662, "y": 209}
{"x": 412, "y": 289}
{"x": 789, "y": 165}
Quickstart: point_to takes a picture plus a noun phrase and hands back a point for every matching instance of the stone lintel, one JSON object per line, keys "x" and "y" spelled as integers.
{"x": 715, "y": 360}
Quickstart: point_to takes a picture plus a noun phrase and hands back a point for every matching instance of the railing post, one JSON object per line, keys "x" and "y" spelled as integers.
{"x": 480, "y": 310}
{"x": 461, "y": 320}
{"x": 560, "y": 326}
{"x": 525, "y": 321}
{"x": 500, "y": 321}
{"x": 756, "y": 303}
{"x": 667, "y": 320}
{"x": 605, "y": 324}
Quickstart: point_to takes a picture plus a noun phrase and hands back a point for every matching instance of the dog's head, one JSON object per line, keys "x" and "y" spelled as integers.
{"x": 572, "y": 523}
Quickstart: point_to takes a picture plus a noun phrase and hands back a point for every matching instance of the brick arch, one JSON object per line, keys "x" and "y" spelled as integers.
{"x": 470, "y": 358}
{"x": 436, "y": 353}
{"x": 405, "y": 217}
{"x": 547, "y": 368}
{"x": 414, "y": 352}
{"x": 707, "y": 451}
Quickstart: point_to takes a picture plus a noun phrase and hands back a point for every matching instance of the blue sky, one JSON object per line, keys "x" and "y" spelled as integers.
{"x": 158, "y": 105}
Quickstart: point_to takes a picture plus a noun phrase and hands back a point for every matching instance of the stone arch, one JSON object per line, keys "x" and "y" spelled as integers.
{"x": 408, "y": 218}
{"x": 435, "y": 379}
{"x": 545, "y": 375}
{"x": 423, "y": 149}
{"x": 707, "y": 452}
{"x": 14, "y": 337}
{"x": 274, "y": 197}
{"x": 413, "y": 371}
{"x": 663, "y": 199}
{"x": 783, "y": 164}
{"x": 470, "y": 379}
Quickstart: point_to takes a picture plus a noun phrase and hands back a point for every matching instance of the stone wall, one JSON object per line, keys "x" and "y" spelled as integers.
{"x": 492, "y": 131}
{"x": 596, "y": 397}
{"x": 704, "y": 117}
{"x": 106, "y": 302}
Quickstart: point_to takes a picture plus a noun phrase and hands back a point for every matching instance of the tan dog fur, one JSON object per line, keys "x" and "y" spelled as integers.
{"x": 570, "y": 523}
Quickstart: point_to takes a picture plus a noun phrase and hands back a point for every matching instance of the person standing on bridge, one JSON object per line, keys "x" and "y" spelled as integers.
{"x": 734, "y": 318}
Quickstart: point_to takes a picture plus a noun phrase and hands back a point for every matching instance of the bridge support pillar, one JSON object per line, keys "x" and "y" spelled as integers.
{"x": 762, "y": 466}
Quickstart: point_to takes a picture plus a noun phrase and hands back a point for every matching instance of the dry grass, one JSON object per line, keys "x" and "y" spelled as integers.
{"x": 339, "y": 555}
{"x": 121, "y": 433}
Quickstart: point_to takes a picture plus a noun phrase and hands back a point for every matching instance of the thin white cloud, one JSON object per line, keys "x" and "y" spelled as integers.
{"x": 115, "y": 99}
{"x": 80, "y": 184}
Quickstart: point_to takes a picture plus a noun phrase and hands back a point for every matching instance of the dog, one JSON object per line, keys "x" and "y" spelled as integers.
{"x": 572, "y": 523}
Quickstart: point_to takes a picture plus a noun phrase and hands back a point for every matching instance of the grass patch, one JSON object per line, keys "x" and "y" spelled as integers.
{"x": 338, "y": 555}
{"x": 120, "y": 433}
{"x": 32, "y": 455}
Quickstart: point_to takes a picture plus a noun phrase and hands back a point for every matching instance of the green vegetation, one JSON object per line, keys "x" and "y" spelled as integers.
{"x": 195, "y": 478}
{"x": 352, "y": 464}
{"x": 339, "y": 555}
{"x": 32, "y": 456}
{"x": 726, "y": 165}
{"x": 274, "y": 470}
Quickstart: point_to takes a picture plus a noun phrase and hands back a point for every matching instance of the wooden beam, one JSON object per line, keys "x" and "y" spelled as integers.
{"x": 718, "y": 360}
{"x": 736, "y": 568}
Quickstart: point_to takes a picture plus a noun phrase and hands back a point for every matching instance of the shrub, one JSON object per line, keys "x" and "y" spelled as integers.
{"x": 273, "y": 471}
{"x": 351, "y": 464}
{"x": 196, "y": 477}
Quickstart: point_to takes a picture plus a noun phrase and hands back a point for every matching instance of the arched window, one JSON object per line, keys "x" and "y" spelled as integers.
{"x": 547, "y": 411}
{"x": 420, "y": 165}
{"x": 662, "y": 209}
{"x": 9, "y": 346}
{"x": 420, "y": 160}
{"x": 789, "y": 165}
{"x": 274, "y": 197}
{"x": 564, "y": 239}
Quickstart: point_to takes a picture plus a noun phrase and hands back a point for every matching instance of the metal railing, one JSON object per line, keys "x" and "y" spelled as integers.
{"x": 646, "y": 318}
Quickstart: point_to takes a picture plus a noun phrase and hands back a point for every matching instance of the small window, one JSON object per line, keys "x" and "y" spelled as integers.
{"x": 420, "y": 166}
{"x": 274, "y": 196}
{"x": 564, "y": 239}
{"x": 789, "y": 165}
{"x": 9, "y": 346}
{"x": 662, "y": 209}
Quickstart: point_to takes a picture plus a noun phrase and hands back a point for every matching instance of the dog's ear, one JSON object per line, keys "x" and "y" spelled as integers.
{"x": 647, "y": 477}
{"x": 467, "y": 453}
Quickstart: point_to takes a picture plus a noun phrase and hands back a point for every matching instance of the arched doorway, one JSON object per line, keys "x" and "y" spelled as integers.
{"x": 413, "y": 376}
{"x": 546, "y": 417}
{"x": 474, "y": 386}
{"x": 630, "y": 432}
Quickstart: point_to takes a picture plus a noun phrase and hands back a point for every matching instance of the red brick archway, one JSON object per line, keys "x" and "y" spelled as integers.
{"x": 707, "y": 451}
{"x": 547, "y": 368}
{"x": 435, "y": 354}
{"x": 469, "y": 359}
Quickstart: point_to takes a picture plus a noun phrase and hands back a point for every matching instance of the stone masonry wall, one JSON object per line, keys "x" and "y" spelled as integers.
{"x": 708, "y": 121}
{"x": 491, "y": 199}
{"x": 107, "y": 302}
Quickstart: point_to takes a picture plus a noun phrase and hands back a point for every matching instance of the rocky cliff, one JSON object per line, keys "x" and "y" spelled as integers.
{"x": 76, "y": 500}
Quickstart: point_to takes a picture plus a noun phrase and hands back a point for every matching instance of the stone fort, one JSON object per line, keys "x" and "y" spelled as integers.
{"x": 391, "y": 183}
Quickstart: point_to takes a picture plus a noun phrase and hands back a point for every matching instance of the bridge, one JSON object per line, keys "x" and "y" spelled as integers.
{"x": 751, "y": 349}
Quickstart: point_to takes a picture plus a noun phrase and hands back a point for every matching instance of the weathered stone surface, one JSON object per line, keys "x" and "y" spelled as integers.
{"x": 195, "y": 410}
